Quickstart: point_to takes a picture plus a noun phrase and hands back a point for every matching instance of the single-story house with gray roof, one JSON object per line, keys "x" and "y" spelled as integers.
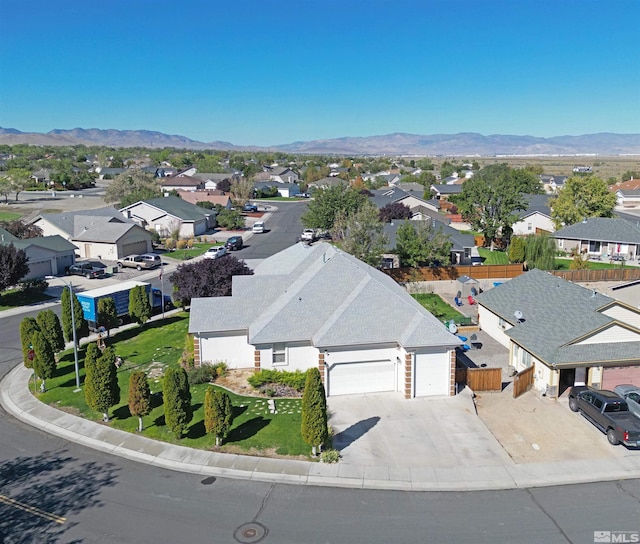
{"x": 165, "y": 214}
{"x": 601, "y": 237}
{"x": 284, "y": 189}
{"x": 316, "y": 306}
{"x": 420, "y": 208}
{"x": 99, "y": 233}
{"x": 571, "y": 335}
{"x": 47, "y": 255}
{"x": 535, "y": 218}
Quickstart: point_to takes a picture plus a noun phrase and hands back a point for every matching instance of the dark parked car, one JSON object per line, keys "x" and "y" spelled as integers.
{"x": 87, "y": 269}
{"x": 233, "y": 243}
{"x": 248, "y": 207}
{"x": 608, "y": 412}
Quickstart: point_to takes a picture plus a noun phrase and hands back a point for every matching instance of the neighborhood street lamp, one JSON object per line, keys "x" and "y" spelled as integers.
{"x": 73, "y": 326}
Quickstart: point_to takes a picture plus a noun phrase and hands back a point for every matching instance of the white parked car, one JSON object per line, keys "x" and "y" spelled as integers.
{"x": 258, "y": 227}
{"x": 215, "y": 252}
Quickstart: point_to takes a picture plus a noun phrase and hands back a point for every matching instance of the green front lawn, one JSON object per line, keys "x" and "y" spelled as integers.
{"x": 438, "y": 307}
{"x": 152, "y": 349}
{"x": 199, "y": 248}
{"x": 493, "y": 257}
{"x": 563, "y": 264}
{"x": 16, "y": 297}
{"x": 9, "y": 216}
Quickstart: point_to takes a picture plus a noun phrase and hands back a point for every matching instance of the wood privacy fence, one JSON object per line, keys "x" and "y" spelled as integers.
{"x": 491, "y": 271}
{"x": 480, "y": 379}
{"x": 608, "y": 274}
{"x": 522, "y": 381}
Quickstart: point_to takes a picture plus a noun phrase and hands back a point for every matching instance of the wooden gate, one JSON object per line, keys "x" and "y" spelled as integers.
{"x": 484, "y": 379}
{"x": 522, "y": 381}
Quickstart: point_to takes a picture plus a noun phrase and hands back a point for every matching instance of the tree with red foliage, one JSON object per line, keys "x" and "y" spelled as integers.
{"x": 394, "y": 210}
{"x": 207, "y": 278}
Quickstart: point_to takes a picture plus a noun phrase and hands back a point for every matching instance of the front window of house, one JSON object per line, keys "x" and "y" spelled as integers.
{"x": 279, "y": 354}
{"x": 526, "y": 358}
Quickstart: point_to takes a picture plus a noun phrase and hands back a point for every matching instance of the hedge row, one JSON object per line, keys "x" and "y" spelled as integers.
{"x": 295, "y": 379}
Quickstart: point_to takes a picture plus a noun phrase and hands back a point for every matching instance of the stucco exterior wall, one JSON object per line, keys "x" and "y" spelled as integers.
{"x": 233, "y": 349}
{"x": 490, "y": 323}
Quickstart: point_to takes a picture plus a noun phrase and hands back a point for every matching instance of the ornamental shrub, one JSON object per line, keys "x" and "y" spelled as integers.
{"x": 295, "y": 380}
{"x": 218, "y": 413}
{"x": 314, "y": 411}
{"x": 177, "y": 400}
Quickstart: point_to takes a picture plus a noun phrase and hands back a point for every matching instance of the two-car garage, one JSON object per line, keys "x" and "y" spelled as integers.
{"x": 361, "y": 377}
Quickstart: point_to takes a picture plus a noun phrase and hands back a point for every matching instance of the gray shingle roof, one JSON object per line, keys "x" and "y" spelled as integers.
{"x": 460, "y": 240}
{"x": 536, "y": 203}
{"x": 321, "y": 295}
{"x": 178, "y": 207}
{"x": 556, "y": 314}
{"x": 601, "y": 229}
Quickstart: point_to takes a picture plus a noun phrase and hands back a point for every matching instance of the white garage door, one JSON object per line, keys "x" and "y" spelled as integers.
{"x": 39, "y": 269}
{"x": 432, "y": 376}
{"x": 620, "y": 374}
{"x": 362, "y": 377}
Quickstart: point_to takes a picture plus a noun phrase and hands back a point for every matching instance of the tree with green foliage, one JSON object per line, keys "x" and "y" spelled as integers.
{"x": 177, "y": 400}
{"x": 28, "y": 327}
{"x": 101, "y": 389}
{"x": 131, "y": 186}
{"x": 364, "y": 235}
{"x": 82, "y": 328}
{"x": 107, "y": 314}
{"x": 20, "y": 179}
{"x": 314, "y": 411}
{"x": 230, "y": 219}
{"x": 44, "y": 361}
{"x": 517, "y": 249}
{"x": 580, "y": 198}
{"x": 13, "y": 265}
{"x": 330, "y": 203}
{"x": 139, "y": 305}
{"x": 139, "y": 396}
{"x": 579, "y": 261}
{"x": 541, "y": 252}
{"x": 218, "y": 413}
{"x": 419, "y": 243}
{"x": 50, "y": 327}
{"x": 489, "y": 201}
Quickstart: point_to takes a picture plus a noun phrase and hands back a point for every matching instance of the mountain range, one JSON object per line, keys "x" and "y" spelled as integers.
{"x": 461, "y": 144}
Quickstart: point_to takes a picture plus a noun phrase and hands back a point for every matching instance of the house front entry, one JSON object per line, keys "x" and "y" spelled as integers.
{"x": 567, "y": 380}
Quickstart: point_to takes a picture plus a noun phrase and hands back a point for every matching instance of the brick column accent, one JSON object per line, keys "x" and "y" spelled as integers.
{"x": 196, "y": 351}
{"x": 452, "y": 372}
{"x": 321, "y": 366}
{"x": 408, "y": 376}
{"x": 256, "y": 361}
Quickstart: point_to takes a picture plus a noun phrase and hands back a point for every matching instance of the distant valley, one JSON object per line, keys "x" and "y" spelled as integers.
{"x": 462, "y": 144}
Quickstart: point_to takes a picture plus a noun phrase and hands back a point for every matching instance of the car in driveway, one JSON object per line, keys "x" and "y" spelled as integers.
{"x": 88, "y": 269}
{"x": 215, "y": 252}
{"x": 234, "y": 243}
{"x": 608, "y": 412}
{"x": 248, "y": 207}
{"x": 139, "y": 262}
{"x": 630, "y": 393}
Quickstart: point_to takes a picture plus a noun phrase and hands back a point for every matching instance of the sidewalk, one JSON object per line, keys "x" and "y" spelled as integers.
{"x": 18, "y": 401}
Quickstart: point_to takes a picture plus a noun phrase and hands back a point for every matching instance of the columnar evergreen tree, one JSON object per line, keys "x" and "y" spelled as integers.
{"x": 49, "y": 324}
{"x": 101, "y": 380}
{"x": 107, "y": 314}
{"x": 517, "y": 249}
{"x": 177, "y": 400}
{"x": 218, "y": 413}
{"x": 139, "y": 305}
{"x": 28, "y": 326}
{"x": 82, "y": 328}
{"x": 44, "y": 361}
{"x": 314, "y": 411}
{"x": 139, "y": 396}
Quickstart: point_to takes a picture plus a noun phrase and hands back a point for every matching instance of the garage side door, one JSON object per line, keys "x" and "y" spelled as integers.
{"x": 361, "y": 377}
{"x": 620, "y": 374}
{"x": 134, "y": 249}
{"x": 432, "y": 376}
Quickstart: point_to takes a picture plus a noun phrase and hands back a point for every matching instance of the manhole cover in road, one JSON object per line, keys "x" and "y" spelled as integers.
{"x": 249, "y": 533}
{"x": 209, "y": 480}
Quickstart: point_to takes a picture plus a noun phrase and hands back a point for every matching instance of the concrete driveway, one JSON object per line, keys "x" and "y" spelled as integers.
{"x": 385, "y": 429}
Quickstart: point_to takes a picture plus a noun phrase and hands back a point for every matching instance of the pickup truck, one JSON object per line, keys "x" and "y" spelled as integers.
{"x": 86, "y": 269}
{"x": 136, "y": 261}
{"x": 608, "y": 412}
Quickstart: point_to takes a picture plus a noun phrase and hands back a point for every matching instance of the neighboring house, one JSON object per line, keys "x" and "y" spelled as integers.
{"x": 461, "y": 250}
{"x": 42, "y": 176}
{"x": 213, "y": 196}
{"x": 552, "y": 184}
{"x": 601, "y": 237}
{"x": 109, "y": 173}
{"x": 569, "y": 334}
{"x": 166, "y": 214}
{"x": 628, "y": 292}
{"x": 283, "y": 175}
{"x": 104, "y": 234}
{"x": 325, "y": 183}
{"x": 420, "y": 208}
{"x": 284, "y": 189}
{"x": 47, "y": 255}
{"x": 181, "y": 182}
{"x": 211, "y": 181}
{"x": 412, "y": 187}
{"x": 628, "y": 198}
{"x": 318, "y": 307}
{"x": 536, "y": 218}
{"x": 443, "y": 192}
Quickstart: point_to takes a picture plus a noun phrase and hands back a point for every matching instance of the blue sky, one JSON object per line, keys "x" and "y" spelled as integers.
{"x": 262, "y": 72}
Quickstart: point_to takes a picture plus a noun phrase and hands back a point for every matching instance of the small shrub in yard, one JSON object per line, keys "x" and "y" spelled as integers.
{"x": 201, "y": 374}
{"x": 181, "y": 244}
{"x": 34, "y": 286}
{"x": 220, "y": 368}
{"x": 170, "y": 243}
{"x": 295, "y": 380}
{"x": 330, "y": 456}
{"x": 190, "y": 243}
